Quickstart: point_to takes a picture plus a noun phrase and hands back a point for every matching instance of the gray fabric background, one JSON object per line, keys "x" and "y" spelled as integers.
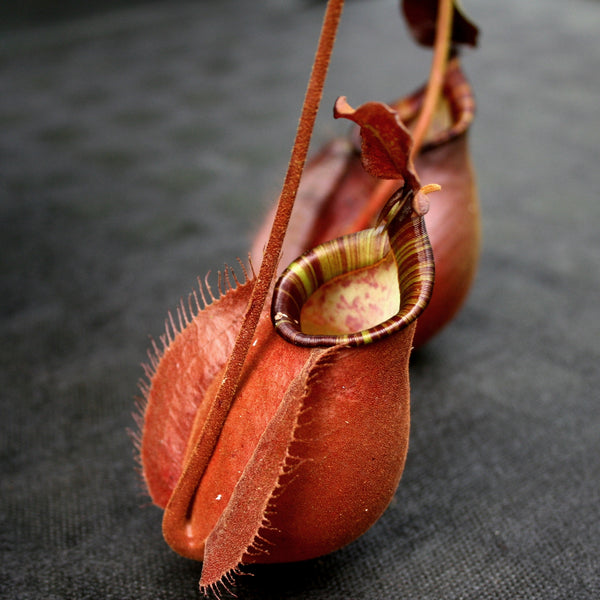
{"x": 139, "y": 149}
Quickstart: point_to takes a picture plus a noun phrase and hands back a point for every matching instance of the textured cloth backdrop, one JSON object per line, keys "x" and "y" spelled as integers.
{"x": 138, "y": 150}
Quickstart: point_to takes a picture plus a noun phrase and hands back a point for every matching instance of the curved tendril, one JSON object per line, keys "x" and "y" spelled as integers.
{"x": 176, "y": 516}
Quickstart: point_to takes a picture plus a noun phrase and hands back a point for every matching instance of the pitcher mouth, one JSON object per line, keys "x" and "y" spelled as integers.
{"x": 378, "y": 280}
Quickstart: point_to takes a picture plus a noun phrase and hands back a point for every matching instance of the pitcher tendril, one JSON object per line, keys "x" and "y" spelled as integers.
{"x": 179, "y": 506}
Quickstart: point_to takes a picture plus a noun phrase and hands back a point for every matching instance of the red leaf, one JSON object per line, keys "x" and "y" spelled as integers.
{"x": 386, "y": 142}
{"x": 421, "y": 16}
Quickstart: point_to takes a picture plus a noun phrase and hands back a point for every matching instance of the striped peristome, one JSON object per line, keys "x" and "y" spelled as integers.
{"x": 404, "y": 234}
{"x": 461, "y": 104}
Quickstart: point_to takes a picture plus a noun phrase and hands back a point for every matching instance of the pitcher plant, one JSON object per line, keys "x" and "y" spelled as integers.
{"x": 275, "y": 417}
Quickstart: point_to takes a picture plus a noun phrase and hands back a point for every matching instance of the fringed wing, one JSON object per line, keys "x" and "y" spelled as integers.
{"x": 194, "y": 348}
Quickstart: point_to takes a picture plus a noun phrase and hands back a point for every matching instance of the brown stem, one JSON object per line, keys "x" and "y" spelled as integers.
{"x": 443, "y": 35}
{"x": 177, "y": 510}
{"x": 386, "y": 188}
